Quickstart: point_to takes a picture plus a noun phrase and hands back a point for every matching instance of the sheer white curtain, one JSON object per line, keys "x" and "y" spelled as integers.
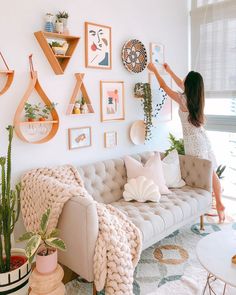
{"x": 213, "y": 54}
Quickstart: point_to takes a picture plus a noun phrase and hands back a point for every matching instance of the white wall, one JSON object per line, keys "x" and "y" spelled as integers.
{"x": 162, "y": 21}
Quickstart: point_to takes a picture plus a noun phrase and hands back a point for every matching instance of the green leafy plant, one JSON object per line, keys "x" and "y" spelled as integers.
{"x": 176, "y": 144}
{"x": 220, "y": 170}
{"x": 9, "y": 206}
{"x": 46, "y": 110}
{"x": 31, "y": 110}
{"x": 62, "y": 14}
{"x": 56, "y": 44}
{"x": 143, "y": 90}
{"x": 42, "y": 240}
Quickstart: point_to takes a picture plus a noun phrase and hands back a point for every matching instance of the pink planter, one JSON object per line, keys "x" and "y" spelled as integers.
{"x": 46, "y": 264}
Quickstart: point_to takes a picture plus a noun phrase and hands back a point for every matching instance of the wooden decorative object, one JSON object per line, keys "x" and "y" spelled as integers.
{"x": 34, "y": 84}
{"x": 79, "y": 86}
{"x": 47, "y": 284}
{"x": 234, "y": 259}
{"x": 10, "y": 75}
{"x": 57, "y": 62}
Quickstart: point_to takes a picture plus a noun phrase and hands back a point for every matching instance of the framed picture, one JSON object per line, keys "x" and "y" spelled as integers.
{"x": 98, "y": 46}
{"x": 157, "y": 56}
{"x": 165, "y": 112}
{"x": 112, "y": 100}
{"x": 110, "y": 139}
{"x": 79, "y": 137}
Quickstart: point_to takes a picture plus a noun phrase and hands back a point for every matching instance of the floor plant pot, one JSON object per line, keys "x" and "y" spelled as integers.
{"x": 46, "y": 264}
{"x": 15, "y": 282}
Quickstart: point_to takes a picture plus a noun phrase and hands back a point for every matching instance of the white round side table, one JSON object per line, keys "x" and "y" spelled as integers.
{"x": 215, "y": 252}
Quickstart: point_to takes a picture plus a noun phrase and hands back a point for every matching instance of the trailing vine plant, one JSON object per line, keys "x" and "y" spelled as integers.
{"x": 143, "y": 91}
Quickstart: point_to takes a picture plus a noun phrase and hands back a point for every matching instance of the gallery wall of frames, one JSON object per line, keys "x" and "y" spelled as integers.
{"x": 68, "y": 72}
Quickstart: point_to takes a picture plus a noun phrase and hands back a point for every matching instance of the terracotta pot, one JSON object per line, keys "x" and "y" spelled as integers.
{"x": 30, "y": 120}
{"x": 42, "y": 119}
{"x": 46, "y": 264}
{"x": 15, "y": 282}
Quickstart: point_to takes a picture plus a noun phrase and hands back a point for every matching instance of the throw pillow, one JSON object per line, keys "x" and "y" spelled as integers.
{"x": 171, "y": 170}
{"x": 151, "y": 170}
{"x": 141, "y": 189}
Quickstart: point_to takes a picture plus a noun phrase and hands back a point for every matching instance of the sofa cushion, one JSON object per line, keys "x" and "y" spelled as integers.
{"x": 154, "y": 218}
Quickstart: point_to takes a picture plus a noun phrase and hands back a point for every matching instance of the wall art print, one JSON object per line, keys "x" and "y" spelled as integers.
{"x": 98, "y": 46}
{"x": 112, "y": 100}
{"x": 157, "y": 56}
{"x": 134, "y": 56}
{"x": 110, "y": 139}
{"x": 162, "y": 104}
{"x": 79, "y": 137}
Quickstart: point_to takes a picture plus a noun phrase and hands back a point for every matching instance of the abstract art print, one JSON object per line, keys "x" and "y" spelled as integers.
{"x": 98, "y": 46}
{"x": 162, "y": 104}
{"x": 110, "y": 139}
{"x": 157, "y": 56}
{"x": 79, "y": 137}
{"x": 112, "y": 100}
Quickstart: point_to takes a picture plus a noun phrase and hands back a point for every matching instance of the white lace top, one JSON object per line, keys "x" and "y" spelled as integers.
{"x": 196, "y": 142}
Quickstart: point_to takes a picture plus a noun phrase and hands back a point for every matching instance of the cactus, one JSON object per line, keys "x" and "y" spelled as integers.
{"x": 9, "y": 207}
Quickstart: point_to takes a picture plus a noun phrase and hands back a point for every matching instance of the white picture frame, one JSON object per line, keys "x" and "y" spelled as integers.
{"x": 110, "y": 139}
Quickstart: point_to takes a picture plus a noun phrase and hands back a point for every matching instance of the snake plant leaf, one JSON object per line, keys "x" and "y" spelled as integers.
{"x": 44, "y": 221}
{"x": 56, "y": 243}
{"x": 32, "y": 245}
{"x": 26, "y": 236}
{"x": 54, "y": 233}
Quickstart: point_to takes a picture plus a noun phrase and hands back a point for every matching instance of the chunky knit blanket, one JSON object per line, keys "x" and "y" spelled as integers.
{"x": 119, "y": 241}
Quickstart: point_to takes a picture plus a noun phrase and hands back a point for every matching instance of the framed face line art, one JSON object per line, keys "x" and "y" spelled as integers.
{"x": 79, "y": 137}
{"x": 98, "y": 46}
{"x": 112, "y": 100}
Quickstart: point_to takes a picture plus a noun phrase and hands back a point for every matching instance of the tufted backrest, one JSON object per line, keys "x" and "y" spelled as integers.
{"x": 105, "y": 180}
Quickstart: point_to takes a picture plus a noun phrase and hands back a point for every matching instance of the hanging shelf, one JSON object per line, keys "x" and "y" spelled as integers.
{"x": 58, "y": 62}
{"x": 10, "y": 75}
{"x": 18, "y": 123}
{"x": 79, "y": 86}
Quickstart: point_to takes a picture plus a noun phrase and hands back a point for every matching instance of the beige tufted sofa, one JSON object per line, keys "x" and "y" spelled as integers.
{"x": 105, "y": 182}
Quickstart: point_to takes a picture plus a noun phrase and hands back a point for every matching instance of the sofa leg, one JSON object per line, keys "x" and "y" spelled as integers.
{"x": 94, "y": 289}
{"x": 202, "y": 222}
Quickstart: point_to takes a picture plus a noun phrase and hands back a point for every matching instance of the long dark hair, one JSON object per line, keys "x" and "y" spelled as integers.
{"x": 194, "y": 91}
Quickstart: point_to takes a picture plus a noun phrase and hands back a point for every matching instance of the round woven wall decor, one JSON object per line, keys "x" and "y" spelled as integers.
{"x": 134, "y": 56}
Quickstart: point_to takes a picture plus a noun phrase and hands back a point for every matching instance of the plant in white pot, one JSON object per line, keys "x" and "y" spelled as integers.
{"x": 14, "y": 266}
{"x": 44, "y": 245}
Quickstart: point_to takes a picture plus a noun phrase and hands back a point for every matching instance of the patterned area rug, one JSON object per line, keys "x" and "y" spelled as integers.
{"x": 170, "y": 266}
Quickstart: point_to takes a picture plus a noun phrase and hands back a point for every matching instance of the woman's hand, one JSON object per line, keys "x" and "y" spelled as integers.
{"x": 167, "y": 67}
{"x": 151, "y": 67}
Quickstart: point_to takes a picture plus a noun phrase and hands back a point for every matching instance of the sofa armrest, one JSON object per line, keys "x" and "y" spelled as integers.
{"x": 78, "y": 225}
{"x": 196, "y": 172}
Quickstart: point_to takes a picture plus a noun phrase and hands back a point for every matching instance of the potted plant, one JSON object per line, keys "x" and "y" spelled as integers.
{"x": 176, "y": 144}
{"x": 46, "y": 111}
{"x": 14, "y": 265}
{"x": 59, "y": 28}
{"x": 31, "y": 111}
{"x": 44, "y": 245}
{"x": 143, "y": 90}
{"x": 77, "y": 105}
{"x": 59, "y": 48}
{"x": 63, "y": 17}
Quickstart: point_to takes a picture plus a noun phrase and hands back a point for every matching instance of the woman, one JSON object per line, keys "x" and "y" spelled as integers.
{"x": 191, "y": 112}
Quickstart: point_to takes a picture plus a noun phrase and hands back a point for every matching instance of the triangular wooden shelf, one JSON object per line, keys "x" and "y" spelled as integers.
{"x": 9, "y": 74}
{"x": 79, "y": 86}
{"x": 34, "y": 84}
{"x": 57, "y": 62}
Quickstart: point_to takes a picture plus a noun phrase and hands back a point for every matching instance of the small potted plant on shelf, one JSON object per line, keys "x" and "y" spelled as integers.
{"x": 14, "y": 265}
{"x": 83, "y": 107}
{"x": 31, "y": 111}
{"x": 63, "y": 16}
{"x": 77, "y": 105}
{"x": 44, "y": 245}
{"x": 59, "y": 48}
{"x": 46, "y": 111}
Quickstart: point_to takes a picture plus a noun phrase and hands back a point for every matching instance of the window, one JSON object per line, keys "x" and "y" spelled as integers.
{"x": 213, "y": 54}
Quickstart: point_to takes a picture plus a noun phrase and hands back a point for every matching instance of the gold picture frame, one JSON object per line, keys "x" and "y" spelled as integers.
{"x": 112, "y": 101}
{"x": 98, "y": 46}
{"x": 110, "y": 139}
{"x": 79, "y": 137}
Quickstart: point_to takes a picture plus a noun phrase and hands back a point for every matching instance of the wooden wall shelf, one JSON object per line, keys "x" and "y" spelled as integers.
{"x": 10, "y": 76}
{"x": 79, "y": 86}
{"x": 57, "y": 62}
{"x": 34, "y": 84}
